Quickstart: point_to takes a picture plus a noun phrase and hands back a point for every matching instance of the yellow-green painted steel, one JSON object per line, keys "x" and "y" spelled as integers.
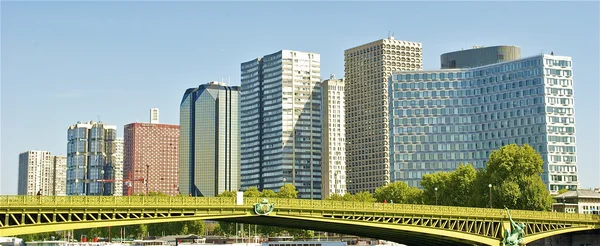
{"x": 411, "y": 224}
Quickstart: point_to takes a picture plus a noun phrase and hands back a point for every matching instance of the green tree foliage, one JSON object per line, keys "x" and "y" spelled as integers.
{"x": 399, "y": 192}
{"x": 454, "y": 188}
{"x": 227, "y": 194}
{"x": 514, "y": 172}
{"x": 363, "y": 196}
{"x": 252, "y": 192}
{"x": 561, "y": 191}
{"x": 268, "y": 193}
{"x": 288, "y": 191}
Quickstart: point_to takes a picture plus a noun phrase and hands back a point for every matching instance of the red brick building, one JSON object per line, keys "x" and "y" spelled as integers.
{"x": 151, "y": 152}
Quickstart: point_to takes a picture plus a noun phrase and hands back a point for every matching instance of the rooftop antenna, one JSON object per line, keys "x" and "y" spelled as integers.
{"x": 98, "y": 118}
{"x": 388, "y": 34}
{"x": 392, "y": 34}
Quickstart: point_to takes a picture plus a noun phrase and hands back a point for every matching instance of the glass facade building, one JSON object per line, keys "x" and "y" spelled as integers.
{"x": 442, "y": 118}
{"x": 91, "y": 159}
{"x": 209, "y": 141}
{"x": 281, "y": 122}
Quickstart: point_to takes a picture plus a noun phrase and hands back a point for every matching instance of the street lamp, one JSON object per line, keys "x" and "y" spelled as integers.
{"x": 436, "y": 196}
{"x": 490, "y": 186}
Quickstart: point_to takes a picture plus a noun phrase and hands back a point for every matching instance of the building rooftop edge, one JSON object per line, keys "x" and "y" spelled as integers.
{"x": 380, "y": 40}
{"x": 478, "y": 48}
{"x": 475, "y": 68}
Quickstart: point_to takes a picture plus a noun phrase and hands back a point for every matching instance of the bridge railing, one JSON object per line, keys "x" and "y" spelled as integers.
{"x": 280, "y": 204}
{"x": 115, "y": 201}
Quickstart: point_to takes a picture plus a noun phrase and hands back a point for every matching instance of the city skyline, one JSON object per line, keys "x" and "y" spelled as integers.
{"x": 55, "y": 67}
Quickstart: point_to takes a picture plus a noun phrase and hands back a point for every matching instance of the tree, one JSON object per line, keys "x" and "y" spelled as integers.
{"x": 227, "y": 193}
{"x": 363, "y": 196}
{"x": 399, "y": 192}
{"x": 454, "y": 188}
{"x": 335, "y": 197}
{"x": 269, "y": 193}
{"x": 252, "y": 192}
{"x": 514, "y": 172}
{"x": 288, "y": 191}
{"x": 561, "y": 191}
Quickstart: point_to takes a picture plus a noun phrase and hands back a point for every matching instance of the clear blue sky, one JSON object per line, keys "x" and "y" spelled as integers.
{"x": 64, "y": 62}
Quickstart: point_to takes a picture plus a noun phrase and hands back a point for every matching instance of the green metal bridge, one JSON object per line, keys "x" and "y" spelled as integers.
{"x": 402, "y": 223}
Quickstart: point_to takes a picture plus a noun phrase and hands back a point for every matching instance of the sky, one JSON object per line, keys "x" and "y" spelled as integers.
{"x": 64, "y": 62}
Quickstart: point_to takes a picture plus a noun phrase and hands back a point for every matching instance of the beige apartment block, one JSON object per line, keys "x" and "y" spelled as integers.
{"x": 59, "y": 164}
{"x": 36, "y": 173}
{"x": 334, "y": 147}
{"x": 367, "y": 70}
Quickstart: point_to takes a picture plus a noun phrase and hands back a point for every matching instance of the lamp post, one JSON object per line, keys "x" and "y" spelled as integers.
{"x": 436, "y": 203}
{"x": 490, "y": 186}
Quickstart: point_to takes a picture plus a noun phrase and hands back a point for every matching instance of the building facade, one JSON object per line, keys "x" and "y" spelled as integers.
{"x": 479, "y": 56}
{"x": 150, "y": 158}
{"x": 209, "y": 150}
{"x": 154, "y": 115}
{"x": 441, "y": 118}
{"x": 90, "y": 158}
{"x": 36, "y": 173}
{"x": 118, "y": 163}
{"x": 281, "y": 122}
{"x": 577, "y": 201}
{"x": 334, "y": 133}
{"x": 59, "y": 164}
{"x": 367, "y": 69}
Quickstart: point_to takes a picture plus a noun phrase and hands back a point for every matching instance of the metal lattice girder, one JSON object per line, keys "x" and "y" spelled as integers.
{"x": 31, "y": 214}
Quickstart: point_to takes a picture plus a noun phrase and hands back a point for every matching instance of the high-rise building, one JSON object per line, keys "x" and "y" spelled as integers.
{"x": 442, "y": 118}
{"x": 150, "y": 158}
{"x": 118, "y": 163}
{"x": 480, "y": 56}
{"x": 90, "y": 158}
{"x": 209, "y": 150}
{"x": 154, "y": 116}
{"x": 334, "y": 147}
{"x": 59, "y": 164}
{"x": 368, "y": 68}
{"x": 281, "y": 122}
{"x": 36, "y": 173}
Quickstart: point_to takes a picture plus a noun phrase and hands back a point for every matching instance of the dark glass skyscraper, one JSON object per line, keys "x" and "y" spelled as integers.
{"x": 209, "y": 142}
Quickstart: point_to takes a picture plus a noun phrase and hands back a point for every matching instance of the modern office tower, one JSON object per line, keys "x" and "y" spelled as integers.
{"x": 480, "y": 56}
{"x": 153, "y": 116}
{"x": 209, "y": 150}
{"x": 59, "y": 164}
{"x": 36, "y": 173}
{"x": 150, "y": 158}
{"x": 442, "y": 118}
{"x": 281, "y": 122}
{"x": 368, "y": 68}
{"x": 90, "y": 159}
{"x": 334, "y": 147}
{"x": 118, "y": 163}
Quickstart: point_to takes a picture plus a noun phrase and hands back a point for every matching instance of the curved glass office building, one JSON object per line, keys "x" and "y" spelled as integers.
{"x": 442, "y": 118}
